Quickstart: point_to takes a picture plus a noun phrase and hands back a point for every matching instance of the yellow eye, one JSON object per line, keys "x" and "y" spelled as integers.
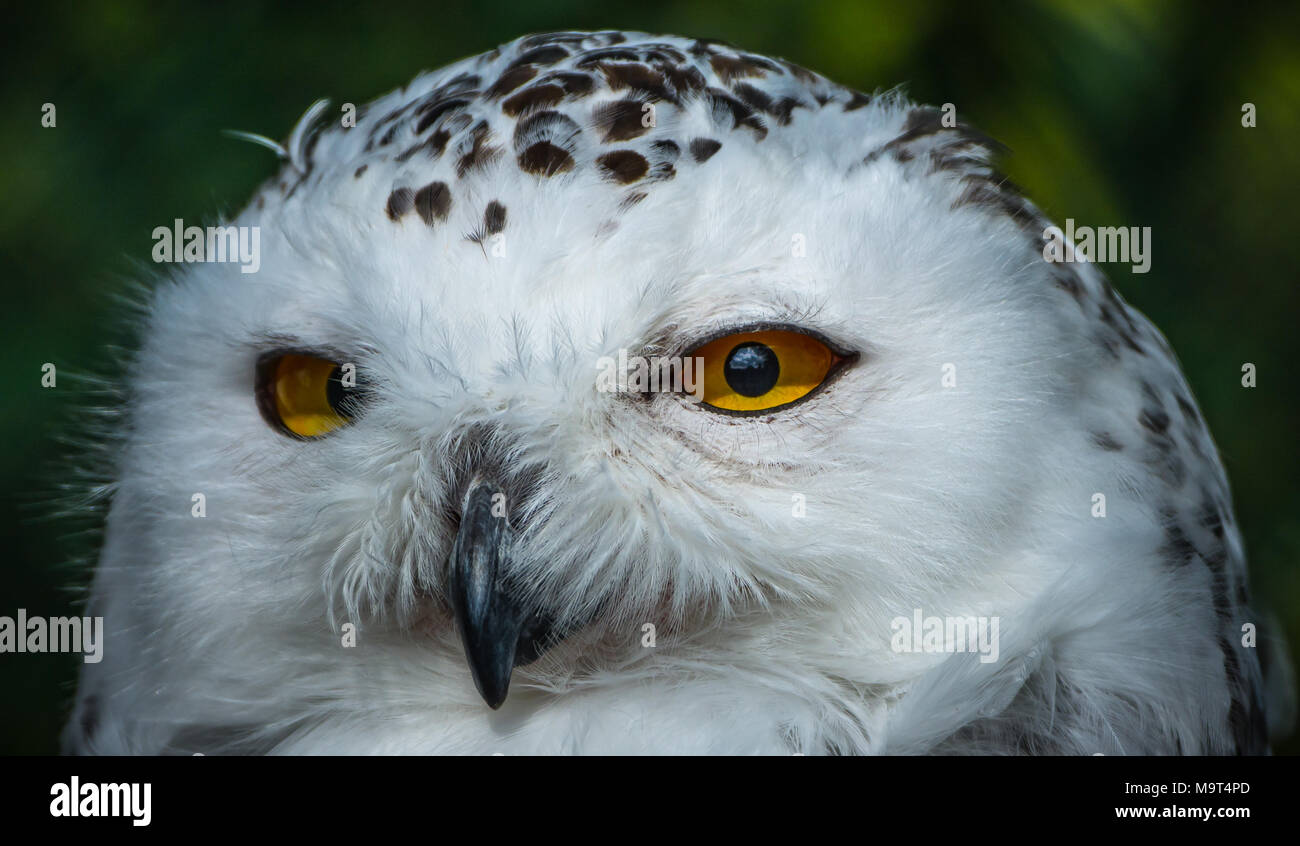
{"x": 305, "y": 395}
{"x": 764, "y": 369}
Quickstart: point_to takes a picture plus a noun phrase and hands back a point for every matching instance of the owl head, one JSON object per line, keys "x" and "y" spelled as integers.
{"x": 617, "y": 392}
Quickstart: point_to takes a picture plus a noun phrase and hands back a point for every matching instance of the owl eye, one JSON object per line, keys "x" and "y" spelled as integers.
{"x": 765, "y": 369}
{"x": 305, "y": 395}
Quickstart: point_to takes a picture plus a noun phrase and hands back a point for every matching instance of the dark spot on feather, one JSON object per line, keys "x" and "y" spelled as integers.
{"x": 1178, "y": 550}
{"x": 434, "y": 146}
{"x": 920, "y": 122}
{"x": 723, "y": 104}
{"x": 704, "y": 46}
{"x": 685, "y": 79}
{"x": 458, "y": 84}
{"x": 510, "y": 80}
{"x": 552, "y": 129}
{"x": 480, "y": 152}
{"x": 1211, "y": 519}
{"x": 433, "y": 201}
{"x": 662, "y": 54}
{"x": 668, "y": 150}
{"x": 620, "y": 120}
{"x": 541, "y": 56}
{"x": 1106, "y": 442}
{"x": 997, "y": 195}
{"x": 639, "y": 78}
{"x": 762, "y": 64}
{"x": 357, "y": 173}
{"x": 663, "y": 155}
{"x": 1154, "y": 419}
{"x": 958, "y": 158}
{"x": 1217, "y": 558}
{"x": 597, "y": 57}
{"x": 702, "y": 149}
{"x": 1220, "y": 594}
{"x": 455, "y": 123}
{"x": 729, "y": 69}
{"x": 623, "y": 166}
{"x": 575, "y": 39}
{"x": 755, "y": 98}
{"x": 784, "y": 108}
{"x": 545, "y": 159}
{"x": 494, "y": 219}
{"x": 631, "y": 200}
{"x": 573, "y": 83}
{"x": 800, "y": 73}
{"x": 436, "y": 111}
{"x": 532, "y": 98}
{"x": 399, "y": 203}
{"x": 1067, "y": 280}
{"x": 857, "y": 101}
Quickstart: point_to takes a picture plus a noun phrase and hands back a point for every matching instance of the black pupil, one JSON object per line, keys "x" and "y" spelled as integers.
{"x": 337, "y": 394}
{"x": 751, "y": 369}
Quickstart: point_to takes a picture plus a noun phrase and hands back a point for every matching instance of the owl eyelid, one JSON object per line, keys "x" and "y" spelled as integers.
{"x": 770, "y": 326}
{"x": 278, "y": 347}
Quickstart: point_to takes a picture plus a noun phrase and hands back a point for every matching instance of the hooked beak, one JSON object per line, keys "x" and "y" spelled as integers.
{"x": 497, "y": 632}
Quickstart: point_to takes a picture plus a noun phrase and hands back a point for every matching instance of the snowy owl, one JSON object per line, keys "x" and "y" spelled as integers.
{"x": 616, "y": 393}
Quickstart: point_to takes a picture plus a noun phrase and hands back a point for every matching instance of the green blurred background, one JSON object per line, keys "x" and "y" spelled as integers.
{"x": 1116, "y": 113}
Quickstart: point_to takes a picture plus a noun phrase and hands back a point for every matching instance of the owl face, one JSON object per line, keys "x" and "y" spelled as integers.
{"x": 404, "y": 428}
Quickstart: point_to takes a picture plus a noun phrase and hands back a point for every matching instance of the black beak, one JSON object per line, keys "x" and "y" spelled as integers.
{"x": 498, "y": 633}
